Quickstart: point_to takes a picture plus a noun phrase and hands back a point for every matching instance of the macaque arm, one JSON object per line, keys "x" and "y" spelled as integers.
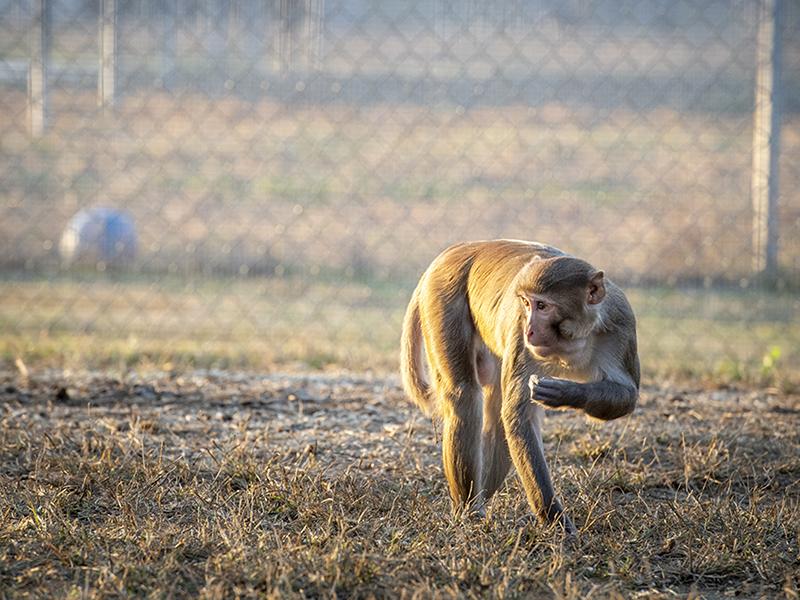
{"x": 611, "y": 397}
{"x": 605, "y": 399}
{"x": 608, "y": 399}
{"x": 525, "y": 441}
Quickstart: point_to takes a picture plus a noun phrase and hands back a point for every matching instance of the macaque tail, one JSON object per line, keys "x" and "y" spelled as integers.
{"x": 412, "y": 365}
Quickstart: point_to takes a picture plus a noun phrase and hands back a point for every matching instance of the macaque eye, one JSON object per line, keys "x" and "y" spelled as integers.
{"x": 540, "y": 305}
{"x": 525, "y": 301}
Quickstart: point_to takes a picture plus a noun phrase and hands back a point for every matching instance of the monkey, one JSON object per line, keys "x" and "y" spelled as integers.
{"x": 495, "y": 332}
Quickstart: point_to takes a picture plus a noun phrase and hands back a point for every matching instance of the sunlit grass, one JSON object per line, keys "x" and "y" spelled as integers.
{"x": 295, "y": 323}
{"x": 218, "y": 485}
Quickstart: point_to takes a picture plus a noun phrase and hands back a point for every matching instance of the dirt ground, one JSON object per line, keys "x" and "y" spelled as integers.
{"x": 217, "y": 484}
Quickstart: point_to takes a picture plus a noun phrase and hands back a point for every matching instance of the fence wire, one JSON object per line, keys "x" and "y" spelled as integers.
{"x": 250, "y": 183}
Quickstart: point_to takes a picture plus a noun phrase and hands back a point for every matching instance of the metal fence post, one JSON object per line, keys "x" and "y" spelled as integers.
{"x": 766, "y": 140}
{"x": 37, "y": 67}
{"x": 285, "y": 26}
{"x": 107, "y": 73}
{"x": 315, "y": 9}
{"x": 168, "y": 43}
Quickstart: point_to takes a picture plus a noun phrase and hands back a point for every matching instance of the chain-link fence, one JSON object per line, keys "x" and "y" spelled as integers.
{"x": 244, "y": 182}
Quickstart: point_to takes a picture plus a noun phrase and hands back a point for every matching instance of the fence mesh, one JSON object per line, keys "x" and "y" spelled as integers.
{"x": 251, "y": 183}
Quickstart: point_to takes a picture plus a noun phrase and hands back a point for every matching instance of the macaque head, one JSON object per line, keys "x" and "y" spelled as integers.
{"x": 560, "y": 297}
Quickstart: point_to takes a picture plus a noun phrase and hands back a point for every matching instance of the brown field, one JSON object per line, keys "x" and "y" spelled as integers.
{"x": 150, "y": 444}
{"x": 218, "y": 485}
{"x": 221, "y": 418}
{"x": 294, "y": 324}
{"x": 291, "y": 235}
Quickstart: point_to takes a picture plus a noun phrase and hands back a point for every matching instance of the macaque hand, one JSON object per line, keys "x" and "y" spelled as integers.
{"x": 553, "y": 392}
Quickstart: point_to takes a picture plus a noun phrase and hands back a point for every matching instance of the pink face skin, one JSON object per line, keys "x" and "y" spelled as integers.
{"x": 541, "y": 333}
{"x": 544, "y": 319}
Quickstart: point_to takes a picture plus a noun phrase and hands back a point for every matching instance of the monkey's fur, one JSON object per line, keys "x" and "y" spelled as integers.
{"x": 494, "y": 331}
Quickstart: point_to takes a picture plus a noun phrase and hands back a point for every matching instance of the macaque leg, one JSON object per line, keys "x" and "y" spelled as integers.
{"x": 496, "y": 460}
{"x": 461, "y": 444}
{"x": 449, "y": 345}
{"x": 522, "y": 422}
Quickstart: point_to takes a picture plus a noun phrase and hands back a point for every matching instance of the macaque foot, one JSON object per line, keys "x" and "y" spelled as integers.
{"x": 472, "y": 511}
{"x": 570, "y": 531}
{"x": 564, "y": 525}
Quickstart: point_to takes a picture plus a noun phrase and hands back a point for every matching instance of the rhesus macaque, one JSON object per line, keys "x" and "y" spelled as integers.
{"x": 507, "y": 328}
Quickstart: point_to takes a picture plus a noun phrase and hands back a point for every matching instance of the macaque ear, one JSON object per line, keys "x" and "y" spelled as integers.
{"x": 596, "y": 290}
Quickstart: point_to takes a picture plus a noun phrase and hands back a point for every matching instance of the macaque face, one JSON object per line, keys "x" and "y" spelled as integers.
{"x": 555, "y": 329}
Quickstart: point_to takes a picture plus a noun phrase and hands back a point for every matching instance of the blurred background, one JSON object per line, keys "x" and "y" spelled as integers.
{"x": 250, "y": 184}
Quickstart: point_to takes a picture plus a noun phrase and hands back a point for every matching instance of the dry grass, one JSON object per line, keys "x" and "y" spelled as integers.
{"x": 305, "y": 323}
{"x": 221, "y": 485}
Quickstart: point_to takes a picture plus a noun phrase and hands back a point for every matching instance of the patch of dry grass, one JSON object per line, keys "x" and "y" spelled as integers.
{"x": 296, "y": 323}
{"x": 218, "y": 485}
